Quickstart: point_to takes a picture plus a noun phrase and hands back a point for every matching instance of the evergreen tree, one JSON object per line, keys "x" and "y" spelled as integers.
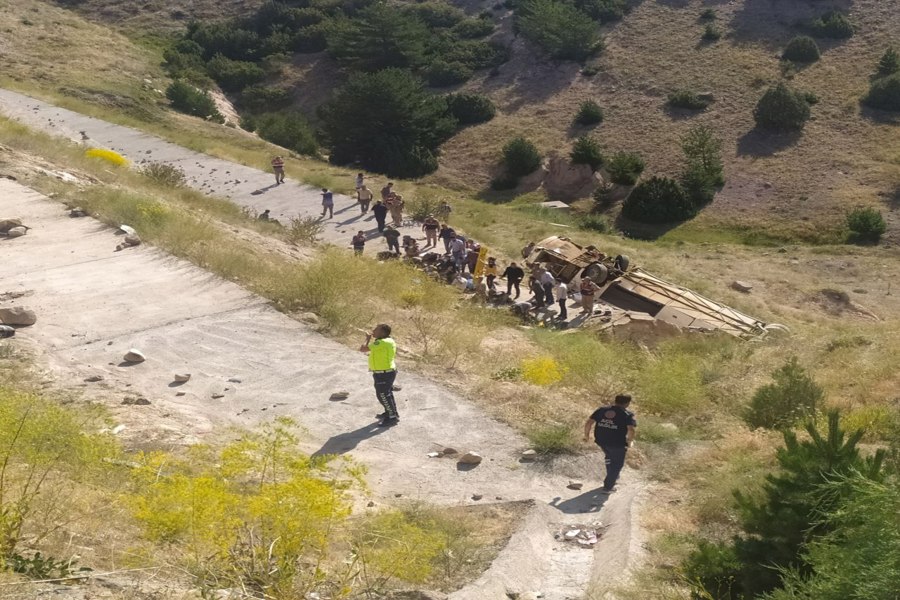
{"x": 781, "y": 108}
{"x": 889, "y": 63}
{"x": 380, "y": 37}
{"x": 387, "y": 122}
{"x": 559, "y": 28}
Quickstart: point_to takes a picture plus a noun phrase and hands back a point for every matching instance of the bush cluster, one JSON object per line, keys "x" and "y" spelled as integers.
{"x": 711, "y": 33}
{"x": 793, "y": 398}
{"x": 192, "y": 101}
{"x": 587, "y": 151}
{"x": 288, "y": 129}
{"x": 833, "y": 24}
{"x": 559, "y": 28}
{"x": 469, "y": 109}
{"x": 688, "y": 99}
{"x": 624, "y": 168}
{"x": 801, "y": 49}
{"x": 866, "y": 225}
{"x": 889, "y": 63}
{"x": 658, "y": 200}
{"x": 782, "y": 109}
{"x": 604, "y": 11}
{"x": 520, "y": 157}
{"x": 589, "y": 113}
{"x": 884, "y": 93}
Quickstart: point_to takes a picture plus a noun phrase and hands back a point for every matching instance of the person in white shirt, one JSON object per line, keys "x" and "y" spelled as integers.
{"x": 548, "y": 282}
{"x": 562, "y": 297}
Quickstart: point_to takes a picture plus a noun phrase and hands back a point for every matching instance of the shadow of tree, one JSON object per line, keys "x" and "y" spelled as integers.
{"x": 772, "y": 23}
{"x": 761, "y": 142}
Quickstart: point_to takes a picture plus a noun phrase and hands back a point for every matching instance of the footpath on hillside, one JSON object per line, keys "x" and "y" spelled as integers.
{"x": 250, "y": 363}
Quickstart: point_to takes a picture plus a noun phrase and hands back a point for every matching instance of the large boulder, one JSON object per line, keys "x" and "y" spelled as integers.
{"x": 565, "y": 180}
{"x": 7, "y": 224}
{"x": 17, "y": 315}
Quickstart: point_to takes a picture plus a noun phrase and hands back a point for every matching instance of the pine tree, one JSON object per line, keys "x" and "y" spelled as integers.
{"x": 889, "y": 63}
{"x": 781, "y": 108}
{"x": 379, "y": 37}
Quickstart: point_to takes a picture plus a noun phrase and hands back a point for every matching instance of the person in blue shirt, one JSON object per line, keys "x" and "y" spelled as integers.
{"x": 614, "y": 428}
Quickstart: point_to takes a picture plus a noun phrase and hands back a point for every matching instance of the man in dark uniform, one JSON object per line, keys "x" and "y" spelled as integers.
{"x": 614, "y": 428}
{"x": 382, "y": 350}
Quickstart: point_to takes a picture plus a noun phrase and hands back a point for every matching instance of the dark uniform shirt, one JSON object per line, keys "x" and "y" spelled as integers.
{"x": 611, "y": 425}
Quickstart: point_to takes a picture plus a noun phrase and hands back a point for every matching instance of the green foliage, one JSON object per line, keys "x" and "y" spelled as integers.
{"x": 261, "y": 98}
{"x": 781, "y": 109}
{"x": 520, "y": 157}
{"x": 625, "y": 167}
{"x": 687, "y": 99}
{"x": 552, "y": 439}
{"x": 469, "y": 29}
{"x": 589, "y": 113}
{"x": 39, "y": 566}
{"x": 469, "y": 109}
{"x": 189, "y": 100}
{"x": 711, "y": 33}
{"x": 226, "y": 38}
{"x": 380, "y": 37}
{"x": 603, "y": 196}
{"x": 441, "y": 73}
{"x": 833, "y": 24}
{"x": 563, "y": 31}
{"x": 604, "y": 11}
{"x": 587, "y": 151}
{"x": 504, "y": 181}
{"x": 596, "y": 223}
{"x": 703, "y": 164}
{"x": 164, "y": 174}
{"x": 234, "y": 75}
{"x": 314, "y": 38}
{"x": 387, "y": 122}
{"x": 713, "y": 571}
{"x": 866, "y": 225}
{"x": 801, "y": 49}
{"x": 708, "y": 14}
{"x": 288, "y": 130}
{"x": 793, "y": 397}
{"x": 435, "y": 14}
{"x": 884, "y": 93}
{"x": 658, "y": 200}
{"x": 889, "y": 63}
{"x": 46, "y": 451}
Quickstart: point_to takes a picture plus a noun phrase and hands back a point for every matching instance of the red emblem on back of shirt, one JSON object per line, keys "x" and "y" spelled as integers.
{"x": 610, "y": 414}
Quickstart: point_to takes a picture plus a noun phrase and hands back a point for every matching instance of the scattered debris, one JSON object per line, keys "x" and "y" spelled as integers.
{"x": 135, "y": 401}
{"x": 7, "y": 225}
{"x": 118, "y": 429}
{"x": 77, "y": 212}
{"x": 179, "y": 393}
{"x": 434, "y": 455}
{"x": 338, "y": 396}
{"x": 234, "y": 380}
{"x": 6, "y": 331}
{"x": 127, "y": 229}
{"x": 181, "y": 377}
{"x": 477, "y": 497}
{"x": 530, "y": 455}
{"x": 396, "y": 388}
{"x": 741, "y": 286}
{"x": 448, "y": 451}
{"x": 575, "y": 485}
{"x": 370, "y": 504}
{"x": 583, "y": 535}
{"x": 17, "y": 232}
{"x": 220, "y": 395}
{"x": 134, "y": 356}
{"x": 131, "y": 240}
{"x": 94, "y": 378}
{"x": 17, "y": 315}
{"x": 470, "y": 458}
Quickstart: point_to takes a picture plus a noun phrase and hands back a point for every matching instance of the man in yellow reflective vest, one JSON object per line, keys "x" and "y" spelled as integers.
{"x": 382, "y": 349}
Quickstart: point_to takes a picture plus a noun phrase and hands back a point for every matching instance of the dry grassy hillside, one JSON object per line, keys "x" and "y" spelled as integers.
{"x": 846, "y": 155}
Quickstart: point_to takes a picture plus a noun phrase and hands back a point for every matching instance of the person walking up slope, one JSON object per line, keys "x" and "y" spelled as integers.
{"x": 382, "y": 349}
{"x": 614, "y": 428}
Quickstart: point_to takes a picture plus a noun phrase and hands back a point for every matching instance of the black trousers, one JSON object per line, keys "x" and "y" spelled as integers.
{"x": 380, "y": 222}
{"x": 548, "y": 293}
{"x": 384, "y": 391}
{"x": 615, "y": 460}
{"x": 563, "y": 314}
{"x": 513, "y": 283}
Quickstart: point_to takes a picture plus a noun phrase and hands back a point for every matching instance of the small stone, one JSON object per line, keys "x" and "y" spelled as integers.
{"x": 396, "y": 388}
{"x": 134, "y": 356}
{"x": 181, "y": 377}
{"x": 17, "y": 315}
{"x": 741, "y": 286}
{"x": 132, "y": 239}
{"x": 94, "y": 378}
{"x": 370, "y": 504}
{"x": 179, "y": 393}
{"x": 77, "y": 212}
{"x": 530, "y": 455}
{"x": 311, "y": 318}
{"x": 135, "y": 401}
{"x": 397, "y": 495}
{"x": 118, "y": 429}
{"x": 575, "y": 485}
{"x": 498, "y": 497}
{"x": 337, "y": 396}
{"x": 234, "y": 380}
{"x": 470, "y": 458}
{"x": 448, "y": 451}
{"x": 433, "y": 455}
{"x": 477, "y": 497}
{"x": 217, "y": 396}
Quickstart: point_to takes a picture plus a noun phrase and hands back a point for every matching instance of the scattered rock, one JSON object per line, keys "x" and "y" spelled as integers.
{"x": 741, "y": 286}
{"x": 181, "y": 377}
{"x": 6, "y": 331}
{"x": 397, "y": 495}
{"x": 396, "y": 388}
{"x": 311, "y": 318}
{"x": 706, "y": 96}
{"x": 370, "y": 504}
{"x": 118, "y": 429}
{"x": 477, "y": 497}
{"x": 448, "y": 451}
{"x": 415, "y": 595}
{"x": 234, "y": 380}
{"x": 134, "y": 356}
{"x": 132, "y": 239}
{"x": 77, "y": 212}
{"x": 17, "y": 315}
{"x": 575, "y": 485}
{"x": 7, "y": 224}
{"x": 179, "y": 393}
{"x": 16, "y": 232}
{"x": 217, "y": 396}
{"x": 470, "y": 458}
{"x": 94, "y": 378}
{"x": 135, "y": 401}
{"x": 338, "y": 396}
{"x": 530, "y": 455}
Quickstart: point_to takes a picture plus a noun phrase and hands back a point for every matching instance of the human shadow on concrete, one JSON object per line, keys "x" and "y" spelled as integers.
{"x": 263, "y": 190}
{"x": 762, "y": 142}
{"x": 590, "y": 501}
{"x": 345, "y": 442}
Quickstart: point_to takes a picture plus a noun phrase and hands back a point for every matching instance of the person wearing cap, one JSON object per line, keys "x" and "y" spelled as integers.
{"x": 614, "y": 429}
{"x": 382, "y": 349}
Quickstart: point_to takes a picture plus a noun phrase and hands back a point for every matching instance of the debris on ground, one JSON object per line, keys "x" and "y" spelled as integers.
{"x": 181, "y": 377}
{"x": 135, "y": 401}
{"x": 17, "y": 315}
{"x": 575, "y": 485}
{"x": 77, "y": 212}
{"x": 741, "y": 286}
{"x": 583, "y": 535}
{"x": 337, "y": 396}
{"x": 12, "y": 227}
{"x": 94, "y": 378}
{"x": 6, "y": 331}
{"x": 529, "y": 455}
{"x": 470, "y": 458}
{"x": 134, "y": 356}
{"x": 131, "y": 240}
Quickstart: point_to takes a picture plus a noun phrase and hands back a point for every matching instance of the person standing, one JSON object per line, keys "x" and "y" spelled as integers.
{"x": 359, "y": 243}
{"x": 364, "y": 197}
{"x": 327, "y": 203}
{"x": 382, "y": 349}
{"x": 562, "y": 297}
{"x": 513, "y": 275}
{"x": 392, "y": 237}
{"x": 395, "y": 206}
{"x": 278, "y": 168}
{"x": 387, "y": 191}
{"x": 360, "y": 181}
{"x": 446, "y": 234}
{"x": 458, "y": 252}
{"x": 588, "y": 291}
{"x": 614, "y": 428}
{"x": 443, "y": 210}
{"x": 491, "y": 270}
{"x": 431, "y": 226}
{"x": 526, "y": 251}
{"x": 548, "y": 282}
{"x": 380, "y": 211}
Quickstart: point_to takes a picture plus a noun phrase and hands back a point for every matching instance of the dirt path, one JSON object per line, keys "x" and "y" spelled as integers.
{"x": 246, "y": 186}
{"x": 94, "y": 304}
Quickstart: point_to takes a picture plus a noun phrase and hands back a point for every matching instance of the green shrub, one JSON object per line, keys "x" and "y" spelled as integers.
{"x": 658, "y": 200}
{"x": 801, "y": 49}
{"x": 781, "y": 109}
{"x": 189, "y": 100}
{"x": 884, "y": 93}
{"x": 603, "y": 196}
{"x": 470, "y": 108}
{"x": 504, "y": 182}
{"x": 889, "y": 63}
{"x": 552, "y": 439}
{"x": 388, "y": 122}
{"x": 703, "y": 164}
{"x": 261, "y": 98}
{"x": 164, "y": 174}
{"x": 287, "y": 129}
{"x": 313, "y": 38}
{"x": 866, "y": 225}
{"x": 234, "y": 75}
{"x": 586, "y": 151}
{"x": 625, "y": 167}
{"x": 833, "y": 24}
{"x": 713, "y": 569}
{"x": 687, "y": 99}
{"x": 471, "y": 29}
{"x": 793, "y": 398}
{"x": 441, "y": 73}
{"x": 435, "y": 14}
{"x": 520, "y": 157}
{"x": 226, "y": 38}
{"x": 379, "y": 37}
{"x": 711, "y": 33}
{"x": 562, "y": 30}
{"x": 604, "y": 11}
{"x": 708, "y": 14}
{"x": 596, "y": 223}
{"x": 589, "y": 113}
